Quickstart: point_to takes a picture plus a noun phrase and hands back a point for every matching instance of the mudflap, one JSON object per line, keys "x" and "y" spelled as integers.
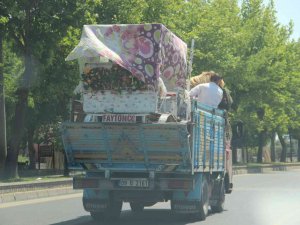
{"x": 101, "y": 205}
{"x": 188, "y": 201}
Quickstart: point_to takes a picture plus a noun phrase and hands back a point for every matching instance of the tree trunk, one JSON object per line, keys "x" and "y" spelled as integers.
{"x": 273, "y": 156}
{"x": 261, "y": 138}
{"x": 291, "y": 147}
{"x": 11, "y": 165}
{"x": 3, "y": 144}
{"x": 298, "y": 155}
{"x": 243, "y": 155}
{"x": 66, "y": 169}
{"x": 247, "y": 154}
{"x": 284, "y": 148}
{"x": 260, "y": 114}
{"x": 31, "y": 149}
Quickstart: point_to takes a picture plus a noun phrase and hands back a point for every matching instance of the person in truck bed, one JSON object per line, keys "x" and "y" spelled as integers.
{"x": 209, "y": 94}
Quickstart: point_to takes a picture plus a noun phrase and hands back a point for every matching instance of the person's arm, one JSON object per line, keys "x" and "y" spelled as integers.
{"x": 161, "y": 88}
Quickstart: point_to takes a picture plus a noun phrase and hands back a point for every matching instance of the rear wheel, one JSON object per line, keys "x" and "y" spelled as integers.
{"x": 204, "y": 203}
{"x": 136, "y": 207}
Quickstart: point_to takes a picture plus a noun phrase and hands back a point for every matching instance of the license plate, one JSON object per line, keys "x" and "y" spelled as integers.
{"x": 134, "y": 183}
{"x": 119, "y": 118}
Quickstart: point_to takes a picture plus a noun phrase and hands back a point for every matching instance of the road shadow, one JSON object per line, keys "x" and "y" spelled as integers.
{"x": 147, "y": 217}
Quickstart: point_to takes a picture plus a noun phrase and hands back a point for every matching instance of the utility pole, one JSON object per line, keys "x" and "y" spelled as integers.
{"x": 3, "y": 144}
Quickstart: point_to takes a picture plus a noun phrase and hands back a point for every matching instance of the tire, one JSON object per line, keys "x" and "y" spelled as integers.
{"x": 204, "y": 203}
{"x": 136, "y": 207}
{"x": 219, "y": 207}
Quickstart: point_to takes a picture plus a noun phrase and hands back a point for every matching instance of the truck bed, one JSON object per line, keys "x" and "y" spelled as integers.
{"x": 138, "y": 147}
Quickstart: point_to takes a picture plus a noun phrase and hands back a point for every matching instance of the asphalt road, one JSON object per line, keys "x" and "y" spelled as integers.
{"x": 257, "y": 199}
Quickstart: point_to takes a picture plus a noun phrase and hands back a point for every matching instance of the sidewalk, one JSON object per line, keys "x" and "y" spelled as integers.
{"x": 263, "y": 168}
{"x": 20, "y": 191}
{"x": 40, "y": 188}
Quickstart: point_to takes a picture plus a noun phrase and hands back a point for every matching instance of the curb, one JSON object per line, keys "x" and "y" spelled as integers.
{"x": 36, "y": 185}
{"x": 13, "y": 192}
{"x": 29, "y": 195}
{"x": 263, "y": 169}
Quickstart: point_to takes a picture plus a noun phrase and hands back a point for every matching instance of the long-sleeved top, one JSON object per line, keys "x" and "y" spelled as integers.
{"x": 208, "y": 93}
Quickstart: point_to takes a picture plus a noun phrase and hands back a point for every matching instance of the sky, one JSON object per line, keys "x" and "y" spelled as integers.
{"x": 288, "y": 10}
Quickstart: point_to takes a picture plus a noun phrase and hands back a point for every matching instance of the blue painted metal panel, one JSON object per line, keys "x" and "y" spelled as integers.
{"x": 121, "y": 145}
{"x": 149, "y": 146}
{"x": 208, "y": 138}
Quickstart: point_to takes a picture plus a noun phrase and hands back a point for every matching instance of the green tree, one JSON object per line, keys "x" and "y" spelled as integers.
{"x": 293, "y": 71}
{"x": 261, "y": 87}
{"x": 118, "y": 11}
{"x": 35, "y": 26}
{"x": 246, "y": 45}
{"x": 11, "y": 68}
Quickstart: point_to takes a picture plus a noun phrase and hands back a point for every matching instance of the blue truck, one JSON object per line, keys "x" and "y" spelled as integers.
{"x": 135, "y": 145}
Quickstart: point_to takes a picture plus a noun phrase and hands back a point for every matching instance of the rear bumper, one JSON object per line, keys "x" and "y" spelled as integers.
{"x": 163, "y": 184}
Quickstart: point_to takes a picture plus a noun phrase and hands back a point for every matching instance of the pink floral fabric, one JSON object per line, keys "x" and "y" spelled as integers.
{"x": 148, "y": 51}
